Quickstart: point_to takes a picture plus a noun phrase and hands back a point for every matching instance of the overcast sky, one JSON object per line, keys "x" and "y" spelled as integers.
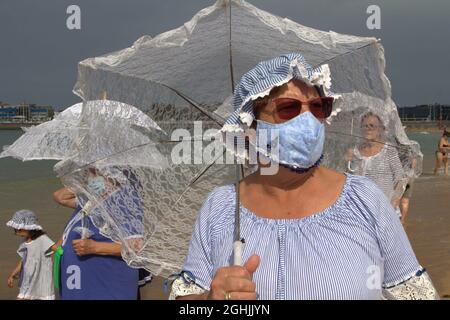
{"x": 39, "y": 55}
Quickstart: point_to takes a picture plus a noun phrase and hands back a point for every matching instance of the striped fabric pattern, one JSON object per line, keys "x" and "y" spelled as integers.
{"x": 351, "y": 250}
{"x": 384, "y": 168}
{"x": 37, "y": 266}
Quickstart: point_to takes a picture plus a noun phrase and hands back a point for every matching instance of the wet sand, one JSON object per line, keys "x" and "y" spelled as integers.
{"x": 427, "y": 226}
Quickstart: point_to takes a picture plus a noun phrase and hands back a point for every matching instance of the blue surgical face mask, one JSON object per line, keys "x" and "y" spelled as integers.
{"x": 96, "y": 184}
{"x": 300, "y": 140}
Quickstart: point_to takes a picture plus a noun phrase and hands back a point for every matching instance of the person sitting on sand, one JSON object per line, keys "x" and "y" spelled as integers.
{"x": 442, "y": 153}
{"x": 35, "y": 267}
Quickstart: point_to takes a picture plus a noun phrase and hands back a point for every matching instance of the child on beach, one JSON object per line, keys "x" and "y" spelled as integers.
{"x": 34, "y": 269}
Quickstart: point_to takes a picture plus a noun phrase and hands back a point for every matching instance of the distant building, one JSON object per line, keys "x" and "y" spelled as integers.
{"x": 25, "y": 113}
{"x": 434, "y": 112}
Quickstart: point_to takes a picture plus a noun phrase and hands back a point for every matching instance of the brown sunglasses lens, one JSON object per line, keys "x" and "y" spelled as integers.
{"x": 321, "y": 107}
{"x": 287, "y": 109}
{"x": 327, "y": 106}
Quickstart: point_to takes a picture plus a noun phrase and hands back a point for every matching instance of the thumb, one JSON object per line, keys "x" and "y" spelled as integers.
{"x": 252, "y": 264}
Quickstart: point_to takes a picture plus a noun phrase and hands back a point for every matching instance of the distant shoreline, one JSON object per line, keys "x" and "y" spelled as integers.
{"x": 425, "y": 126}
{"x": 410, "y": 126}
{"x": 418, "y": 130}
{"x": 16, "y": 126}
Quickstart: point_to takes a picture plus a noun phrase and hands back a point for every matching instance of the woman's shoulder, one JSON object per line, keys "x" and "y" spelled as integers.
{"x": 219, "y": 204}
{"x": 222, "y": 196}
{"x": 391, "y": 149}
{"x": 222, "y": 193}
{"x": 351, "y": 184}
{"x": 364, "y": 196}
{"x": 362, "y": 186}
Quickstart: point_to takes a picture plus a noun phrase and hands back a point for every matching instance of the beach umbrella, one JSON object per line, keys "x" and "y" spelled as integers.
{"x": 184, "y": 78}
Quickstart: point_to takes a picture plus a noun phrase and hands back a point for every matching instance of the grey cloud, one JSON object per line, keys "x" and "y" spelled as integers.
{"x": 38, "y": 55}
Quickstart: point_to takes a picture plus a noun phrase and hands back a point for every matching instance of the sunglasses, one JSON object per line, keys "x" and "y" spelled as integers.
{"x": 288, "y": 108}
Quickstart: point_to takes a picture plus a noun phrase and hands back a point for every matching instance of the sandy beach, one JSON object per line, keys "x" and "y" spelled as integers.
{"x": 427, "y": 226}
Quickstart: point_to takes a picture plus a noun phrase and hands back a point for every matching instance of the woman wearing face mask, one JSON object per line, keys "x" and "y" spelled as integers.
{"x": 90, "y": 264}
{"x": 310, "y": 232}
{"x": 377, "y": 160}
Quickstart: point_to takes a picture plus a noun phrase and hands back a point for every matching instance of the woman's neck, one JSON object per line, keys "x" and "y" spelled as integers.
{"x": 285, "y": 179}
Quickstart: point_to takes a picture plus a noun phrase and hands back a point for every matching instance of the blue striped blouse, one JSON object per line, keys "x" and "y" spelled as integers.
{"x": 351, "y": 250}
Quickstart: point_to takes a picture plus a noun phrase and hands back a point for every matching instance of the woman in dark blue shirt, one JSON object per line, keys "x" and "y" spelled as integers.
{"x": 92, "y": 268}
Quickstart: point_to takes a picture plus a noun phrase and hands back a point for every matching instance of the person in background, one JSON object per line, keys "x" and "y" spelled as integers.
{"x": 34, "y": 269}
{"x": 92, "y": 267}
{"x": 310, "y": 232}
{"x": 442, "y": 151}
{"x": 404, "y": 201}
{"x": 410, "y": 163}
{"x": 377, "y": 160}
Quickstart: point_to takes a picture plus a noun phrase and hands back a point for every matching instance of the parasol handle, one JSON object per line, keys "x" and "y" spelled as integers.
{"x": 349, "y": 163}
{"x": 83, "y": 228}
{"x": 238, "y": 248}
{"x": 349, "y": 166}
{"x": 84, "y": 232}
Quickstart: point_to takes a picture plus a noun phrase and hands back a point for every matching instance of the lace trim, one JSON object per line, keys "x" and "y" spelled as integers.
{"x": 180, "y": 288}
{"x": 418, "y": 287}
{"x": 396, "y": 283}
{"x": 23, "y": 226}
